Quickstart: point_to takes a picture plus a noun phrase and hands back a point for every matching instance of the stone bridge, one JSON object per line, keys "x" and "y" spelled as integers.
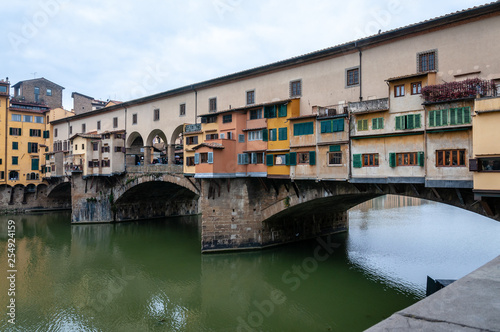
{"x": 245, "y": 213}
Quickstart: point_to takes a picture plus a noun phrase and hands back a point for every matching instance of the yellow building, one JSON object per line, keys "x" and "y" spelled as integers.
{"x": 486, "y": 162}
{"x": 279, "y": 130}
{"x": 26, "y": 142}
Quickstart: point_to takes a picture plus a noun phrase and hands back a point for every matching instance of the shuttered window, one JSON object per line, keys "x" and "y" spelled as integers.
{"x": 306, "y": 128}
{"x": 282, "y": 134}
{"x": 410, "y": 121}
{"x": 378, "y": 123}
{"x": 362, "y": 125}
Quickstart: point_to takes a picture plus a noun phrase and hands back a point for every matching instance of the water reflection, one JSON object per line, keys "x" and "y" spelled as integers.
{"x": 150, "y": 276}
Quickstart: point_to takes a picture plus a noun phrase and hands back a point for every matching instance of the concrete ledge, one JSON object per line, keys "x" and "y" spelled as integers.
{"x": 469, "y": 304}
{"x": 449, "y": 184}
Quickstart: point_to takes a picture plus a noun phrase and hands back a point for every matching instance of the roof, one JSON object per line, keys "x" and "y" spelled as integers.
{"x": 335, "y": 51}
{"x": 24, "y": 106}
{"x": 409, "y": 76}
{"x": 209, "y": 145}
{"x": 307, "y": 116}
{"x": 36, "y": 79}
{"x": 91, "y": 136}
{"x": 80, "y": 94}
{"x": 251, "y": 107}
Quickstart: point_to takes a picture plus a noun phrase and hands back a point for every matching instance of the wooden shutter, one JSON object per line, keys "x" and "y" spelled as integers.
{"x": 312, "y": 157}
{"x": 254, "y": 158}
{"x": 334, "y": 148}
{"x": 444, "y": 117}
{"x": 398, "y": 122}
{"x": 283, "y": 134}
{"x": 410, "y": 121}
{"x": 473, "y": 165}
{"x": 467, "y": 115}
{"x": 196, "y": 158}
{"x": 287, "y": 159}
{"x": 269, "y": 160}
{"x": 360, "y": 125}
{"x": 293, "y": 158}
{"x": 210, "y": 157}
{"x": 356, "y": 161}
{"x": 326, "y": 126}
{"x": 392, "y": 159}
{"x": 417, "y": 120}
{"x": 340, "y": 124}
{"x": 34, "y": 164}
{"x": 453, "y": 116}
{"x": 432, "y": 118}
{"x": 265, "y": 136}
{"x": 282, "y": 110}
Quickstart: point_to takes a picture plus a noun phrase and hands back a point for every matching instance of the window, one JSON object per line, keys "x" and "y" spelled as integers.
{"x": 27, "y": 118}
{"x": 303, "y": 157}
{"x": 416, "y": 88}
{"x": 16, "y": 117}
{"x": 399, "y": 90}
{"x": 352, "y": 77}
{"x": 32, "y": 147}
{"x": 227, "y": 118}
{"x": 296, "y": 88}
{"x": 450, "y": 158}
{"x": 83, "y": 146}
{"x": 243, "y": 159}
{"x": 280, "y": 159}
{"x": 206, "y": 158}
{"x": 105, "y": 149}
{"x": 330, "y": 126}
{"x": 269, "y": 112}
{"x": 255, "y": 135}
{"x": 49, "y": 92}
{"x": 426, "y": 61}
{"x": 35, "y": 133}
{"x": 190, "y": 140}
{"x": 84, "y": 128}
{"x": 182, "y": 109}
{"x": 119, "y": 149}
{"x": 306, "y": 128}
{"x": 13, "y": 175}
{"x": 156, "y": 114}
{"x": 209, "y": 119}
{"x": 70, "y": 130}
{"x": 15, "y": 145}
{"x": 377, "y": 123}
{"x": 106, "y": 163}
{"x": 212, "y": 136}
{"x": 272, "y": 134}
{"x": 459, "y": 116}
{"x": 37, "y": 94}
{"x": 406, "y": 159}
{"x": 282, "y": 134}
{"x": 362, "y": 125}
{"x": 257, "y": 157}
{"x": 241, "y": 138}
{"x": 189, "y": 161}
{"x": 410, "y": 121}
{"x": 134, "y": 118}
{"x": 15, "y": 131}
{"x": 95, "y": 146}
{"x": 489, "y": 164}
{"x": 438, "y": 118}
{"x": 115, "y": 122}
{"x": 251, "y": 97}
{"x": 334, "y": 158}
{"x": 14, "y": 160}
{"x": 212, "y": 105}
{"x": 256, "y": 114}
{"x": 2, "y": 175}
{"x": 365, "y": 160}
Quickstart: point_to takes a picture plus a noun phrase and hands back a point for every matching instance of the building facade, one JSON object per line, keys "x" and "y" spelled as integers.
{"x": 40, "y": 91}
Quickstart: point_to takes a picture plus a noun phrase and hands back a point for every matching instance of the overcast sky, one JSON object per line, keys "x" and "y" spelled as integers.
{"x": 124, "y": 49}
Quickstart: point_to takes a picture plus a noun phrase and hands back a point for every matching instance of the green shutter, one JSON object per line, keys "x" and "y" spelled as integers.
{"x": 392, "y": 159}
{"x": 444, "y": 117}
{"x": 282, "y": 110}
{"x": 269, "y": 160}
{"x": 282, "y": 134}
{"x": 410, "y": 121}
{"x": 309, "y": 128}
{"x": 15, "y": 145}
{"x": 417, "y": 120}
{"x": 265, "y": 136}
{"x": 466, "y": 114}
{"x": 293, "y": 158}
{"x": 29, "y": 147}
{"x": 420, "y": 158}
{"x": 270, "y": 111}
{"x": 398, "y": 122}
{"x": 453, "y": 116}
{"x": 326, "y": 126}
{"x": 10, "y": 131}
{"x": 356, "y": 161}
{"x": 287, "y": 159}
{"x": 432, "y": 118}
{"x": 312, "y": 157}
{"x": 334, "y": 148}
{"x": 340, "y": 124}
{"x": 272, "y": 134}
{"x": 460, "y": 115}
{"x": 362, "y": 124}
{"x": 46, "y": 134}
{"x": 34, "y": 164}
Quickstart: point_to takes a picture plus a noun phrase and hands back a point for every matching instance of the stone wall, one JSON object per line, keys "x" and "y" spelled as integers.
{"x": 18, "y": 199}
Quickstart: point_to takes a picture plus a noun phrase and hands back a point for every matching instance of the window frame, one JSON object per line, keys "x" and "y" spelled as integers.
{"x": 373, "y": 160}
{"x": 156, "y": 114}
{"x": 451, "y": 156}
{"x": 255, "y": 114}
{"x": 250, "y": 97}
{"x": 334, "y": 154}
{"x": 295, "y": 88}
{"x": 423, "y": 67}
{"x": 115, "y": 122}
{"x": 303, "y": 158}
{"x": 182, "y": 109}
{"x": 252, "y": 135}
{"x": 418, "y": 85}
{"x": 134, "y": 118}
{"x": 399, "y": 90}
{"x": 411, "y": 156}
{"x": 350, "y": 79}
{"x": 227, "y": 118}
{"x": 212, "y": 105}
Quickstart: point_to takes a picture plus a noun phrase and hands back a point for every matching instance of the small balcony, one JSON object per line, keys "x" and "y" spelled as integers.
{"x": 467, "y": 89}
{"x": 75, "y": 168}
{"x": 369, "y": 106}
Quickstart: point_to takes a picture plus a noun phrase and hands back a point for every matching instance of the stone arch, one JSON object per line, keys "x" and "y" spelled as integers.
{"x": 153, "y": 134}
{"x": 156, "y": 151}
{"x": 60, "y": 191}
{"x": 135, "y": 146}
{"x": 131, "y": 139}
{"x": 175, "y": 152}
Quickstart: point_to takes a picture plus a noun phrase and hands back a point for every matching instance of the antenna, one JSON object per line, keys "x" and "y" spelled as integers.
{"x": 34, "y": 75}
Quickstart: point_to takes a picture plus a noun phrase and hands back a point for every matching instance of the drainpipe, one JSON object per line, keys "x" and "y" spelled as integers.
{"x": 195, "y": 104}
{"x": 360, "y": 73}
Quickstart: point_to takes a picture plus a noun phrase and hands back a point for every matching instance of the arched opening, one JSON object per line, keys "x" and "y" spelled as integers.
{"x": 61, "y": 192}
{"x": 155, "y": 199}
{"x": 13, "y": 175}
{"x": 176, "y": 151}
{"x": 156, "y": 147}
{"x": 135, "y": 149}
